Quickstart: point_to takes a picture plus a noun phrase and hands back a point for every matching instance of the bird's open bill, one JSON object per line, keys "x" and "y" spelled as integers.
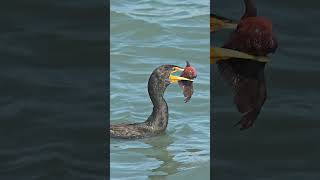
{"x": 224, "y": 54}
{"x": 175, "y": 79}
{"x": 218, "y": 22}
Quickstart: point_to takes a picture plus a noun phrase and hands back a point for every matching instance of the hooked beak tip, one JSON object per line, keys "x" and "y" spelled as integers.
{"x": 177, "y": 69}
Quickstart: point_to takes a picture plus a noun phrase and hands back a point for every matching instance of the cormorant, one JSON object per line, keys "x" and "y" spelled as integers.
{"x": 157, "y": 122}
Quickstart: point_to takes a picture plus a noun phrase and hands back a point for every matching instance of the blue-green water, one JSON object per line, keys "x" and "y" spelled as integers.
{"x": 144, "y": 35}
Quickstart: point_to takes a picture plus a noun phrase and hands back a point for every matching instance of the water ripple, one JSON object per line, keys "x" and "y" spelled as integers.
{"x": 144, "y": 35}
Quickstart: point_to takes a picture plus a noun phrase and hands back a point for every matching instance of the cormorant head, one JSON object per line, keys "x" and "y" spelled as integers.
{"x": 165, "y": 76}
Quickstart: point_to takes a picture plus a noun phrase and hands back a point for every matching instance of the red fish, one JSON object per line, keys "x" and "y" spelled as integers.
{"x": 253, "y": 35}
{"x": 187, "y": 86}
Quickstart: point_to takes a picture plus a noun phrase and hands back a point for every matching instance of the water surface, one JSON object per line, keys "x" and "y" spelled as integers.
{"x": 144, "y": 35}
{"x": 53, "y": 90}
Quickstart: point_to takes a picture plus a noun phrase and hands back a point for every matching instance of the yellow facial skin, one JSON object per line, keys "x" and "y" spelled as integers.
{"x": 175, "y": 79}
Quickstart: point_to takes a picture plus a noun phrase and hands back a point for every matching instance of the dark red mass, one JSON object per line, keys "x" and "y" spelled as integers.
{"x": 187, "y": 86}
{"x": 189, "y": 72}
{"x": 253, "y": 35}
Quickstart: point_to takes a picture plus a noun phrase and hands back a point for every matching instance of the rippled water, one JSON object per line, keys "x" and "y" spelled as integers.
{"x": 52, "y": 90}
{"x": 283, "y": 142}
{"x": 144, "y": 35}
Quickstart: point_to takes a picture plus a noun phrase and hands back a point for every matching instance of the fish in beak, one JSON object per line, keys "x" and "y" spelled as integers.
{"x": 175, "y": 79}
{"x": 223, "y": 54}
{"x": 185, "y": 80}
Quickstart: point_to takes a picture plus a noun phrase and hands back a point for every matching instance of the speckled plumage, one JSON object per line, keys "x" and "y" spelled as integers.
{"x": 158, "y": 120}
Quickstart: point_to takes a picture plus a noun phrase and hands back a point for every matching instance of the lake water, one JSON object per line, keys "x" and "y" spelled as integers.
{"x": 283, "y": 142}
{"x": 144, "y": 35}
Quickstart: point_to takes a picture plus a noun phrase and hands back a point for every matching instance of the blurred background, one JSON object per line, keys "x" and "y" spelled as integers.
{"x": 53, "y": 90}
{"x": 283, "y": 143}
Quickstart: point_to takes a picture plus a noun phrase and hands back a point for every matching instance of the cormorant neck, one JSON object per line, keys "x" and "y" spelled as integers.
{"x": 251, "y": 10}
{"x": 159, "y": 116}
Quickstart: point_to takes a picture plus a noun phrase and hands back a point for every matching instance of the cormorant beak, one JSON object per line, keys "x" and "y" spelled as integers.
{"x": 175, "y": 79}
{"x": 217, "y": 23}
{"x": 219, "y": 54}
